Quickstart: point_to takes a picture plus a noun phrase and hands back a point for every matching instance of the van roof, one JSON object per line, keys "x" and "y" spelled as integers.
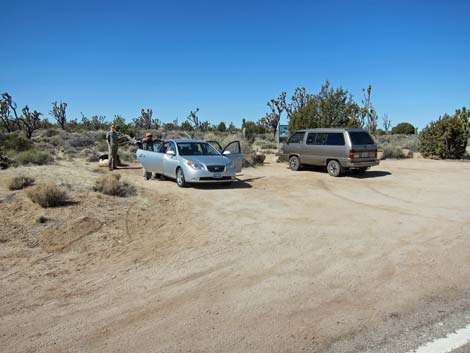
{"x": 332, "y": 129}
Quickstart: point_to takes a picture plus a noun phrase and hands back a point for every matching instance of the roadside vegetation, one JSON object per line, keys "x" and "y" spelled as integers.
{"x": 447, "y": 137}
{"x": 27, "y": 137}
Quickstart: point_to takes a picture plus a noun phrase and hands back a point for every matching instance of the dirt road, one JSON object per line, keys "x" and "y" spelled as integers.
{"x": 281, "y": 261}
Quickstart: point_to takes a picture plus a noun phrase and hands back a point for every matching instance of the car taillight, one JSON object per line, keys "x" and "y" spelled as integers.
{"x": 353, "y": 154}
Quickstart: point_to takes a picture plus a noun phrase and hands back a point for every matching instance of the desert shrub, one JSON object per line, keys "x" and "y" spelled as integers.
{"x": 33, "y": 157}
{"x": 404, "y": 129}
{"x": 380, "y": 132}
{"x": 127, "y": 156}
{"x": 14, "y": 142}
{"x": 50, "y": 132}
{"x": 410, "y": 142}
{"x": 112, "y": 185}
{"x": 81, "y": 140}
{"x": 20, "y": 182}
{"x": 48, "y": 195}
{"x": 446, "y": 137}
{"x": 6, "y": 162}
{"x": 392, "y": 151}
{"x": 266, "y": 145}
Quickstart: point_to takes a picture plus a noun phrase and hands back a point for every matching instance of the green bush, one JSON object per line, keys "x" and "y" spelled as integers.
{"x": 33, "y": 157}
{"x": 380, "y": 132}
{"x": 446, "y": 137}
{"x": 14, "y": 142}
{"x": 48, "y": 195}
{"x": 20, "y": 182}
{"x": 404, "y": 129}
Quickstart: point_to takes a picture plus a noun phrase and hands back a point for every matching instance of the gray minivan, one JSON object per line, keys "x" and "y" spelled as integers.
{"x": 338, "y": 149}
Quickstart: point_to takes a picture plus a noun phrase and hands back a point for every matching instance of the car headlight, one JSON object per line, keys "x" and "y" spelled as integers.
{"x": 195, "y": 165}
{"x": 230, "y": 165}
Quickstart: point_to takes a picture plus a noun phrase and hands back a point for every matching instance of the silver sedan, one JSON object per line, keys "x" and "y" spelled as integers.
{"x": 192, "y": 161}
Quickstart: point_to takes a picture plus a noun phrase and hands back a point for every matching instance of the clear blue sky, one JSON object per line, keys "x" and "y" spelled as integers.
{"x": 230, "y": 57}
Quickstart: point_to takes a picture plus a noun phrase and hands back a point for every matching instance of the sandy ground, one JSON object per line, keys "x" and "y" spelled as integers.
{"x": 281, "y": 261}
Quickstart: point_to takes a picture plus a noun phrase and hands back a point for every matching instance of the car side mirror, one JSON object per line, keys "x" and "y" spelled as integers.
{"x": 170, "y": 153}
{"x": 226, "y": 153}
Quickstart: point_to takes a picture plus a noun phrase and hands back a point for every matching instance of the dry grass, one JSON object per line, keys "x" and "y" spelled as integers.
{"x": 20, "y": 182}
{"x": 48, "y": 195}
{"x": 112, "y": 185}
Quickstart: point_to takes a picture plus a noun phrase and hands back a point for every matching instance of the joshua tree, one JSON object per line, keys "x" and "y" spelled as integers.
{"x": 146, "y": 121}
{"x": 29, "y": 121}
{"x": 7, "y": 107}
{"x": 387, "y": 123}
{"x": 271, "y": 120}
{"x": 194, "y": 119}
{"x": 59, "y": 114}
{"x": 368, "y": 113}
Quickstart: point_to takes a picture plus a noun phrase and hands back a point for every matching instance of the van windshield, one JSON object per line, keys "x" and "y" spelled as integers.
{"x": 360, "y": 138}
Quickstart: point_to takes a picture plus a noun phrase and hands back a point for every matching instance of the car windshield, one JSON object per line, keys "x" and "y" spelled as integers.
{"x": 360, "y": 138}
{"x": 196, "y": 149}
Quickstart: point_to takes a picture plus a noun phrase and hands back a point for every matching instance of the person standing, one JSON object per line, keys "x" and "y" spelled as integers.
{"x": 147, "y": 145}
{"x": 147, "y": 142}
{"x": 112, "y": 141}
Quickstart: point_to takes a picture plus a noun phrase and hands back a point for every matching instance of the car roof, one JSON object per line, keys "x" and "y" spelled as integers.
{"x": 332, "y": 129}
{"x": 185, "y": 140}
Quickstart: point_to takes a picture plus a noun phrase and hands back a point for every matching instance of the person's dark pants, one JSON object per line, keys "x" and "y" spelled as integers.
{"x": 112, "y": 157}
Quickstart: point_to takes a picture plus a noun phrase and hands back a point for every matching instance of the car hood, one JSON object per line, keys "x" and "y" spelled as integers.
{"x": 207, "y": 160}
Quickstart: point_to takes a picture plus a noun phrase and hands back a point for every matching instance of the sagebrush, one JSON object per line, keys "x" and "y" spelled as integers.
{"x": 20, "y": 182}
{"x": 48, "y": 195}
{"x": 112, "y": 185}
{"x": 33, "y": 157}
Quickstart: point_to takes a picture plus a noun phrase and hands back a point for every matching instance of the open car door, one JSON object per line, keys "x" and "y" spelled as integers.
{"x": 232, "y": 151}
{"x": 151, "y": 161}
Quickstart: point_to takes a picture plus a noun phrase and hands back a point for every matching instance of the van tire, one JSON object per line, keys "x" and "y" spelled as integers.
{"x": 334, "y": 168}
{"x": 294, "y": 163}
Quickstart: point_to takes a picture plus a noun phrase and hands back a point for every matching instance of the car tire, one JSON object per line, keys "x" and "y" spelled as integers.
{"x": 294, "y": 163}
{"x": 358, "y": 171}
{"x": 334, "y": 168}
{"x": 148, "y": 175}
{"x": 180, "y": 180}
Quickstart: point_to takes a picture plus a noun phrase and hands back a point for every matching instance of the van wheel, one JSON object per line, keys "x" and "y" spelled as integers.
{"x": 294, "y": 163}
{"x": 180, "y": 180}
{"x": 147, "y": 175}
{"x": 358, "y": 171}
{"x": 334, "y": 168}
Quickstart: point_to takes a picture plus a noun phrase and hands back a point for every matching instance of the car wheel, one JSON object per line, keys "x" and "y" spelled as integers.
{"x": 358, "y": 170}
{"x": 180, "y": 180}
{"x": 294, "y": 163}
{"x": 334, "y": 168}
{"x": 148, "y": 175}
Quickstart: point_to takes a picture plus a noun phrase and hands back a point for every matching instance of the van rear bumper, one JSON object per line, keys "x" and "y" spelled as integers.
{"x": 351, "y": 164}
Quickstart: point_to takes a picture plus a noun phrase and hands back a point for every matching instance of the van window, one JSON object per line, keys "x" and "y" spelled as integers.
{"x": 298, "y": 137}
{"x": 360, "y": 138}
{"x": 335, "y": 139}
{"x": 321, "y": 138}
{"x": 311, "y": 138}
